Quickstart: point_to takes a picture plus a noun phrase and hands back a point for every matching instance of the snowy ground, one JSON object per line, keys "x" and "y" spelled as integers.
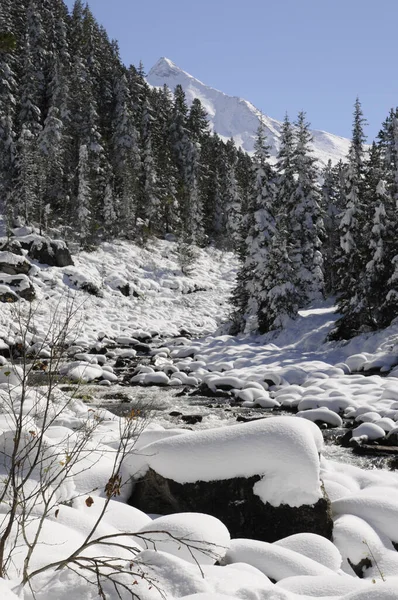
{"x": 295, "y": 368}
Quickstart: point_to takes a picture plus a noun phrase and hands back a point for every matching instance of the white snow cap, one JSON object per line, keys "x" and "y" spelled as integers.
{"x": 235, "y": 117}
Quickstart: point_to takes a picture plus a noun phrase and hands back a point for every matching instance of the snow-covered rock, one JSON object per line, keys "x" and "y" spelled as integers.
{"x": 260, "y": 478}
{"x": 274, "y": 561}
{"x": 13, "y": 264}
{"x": 195, "y": 537}
{"x": 283, "y": 450}
{"x": 81, "y": 371}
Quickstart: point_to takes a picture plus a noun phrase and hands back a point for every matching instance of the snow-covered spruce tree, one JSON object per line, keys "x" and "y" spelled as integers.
{"x": 210, "y": 157}
{"x": 332, "y": 204}
{"x": 286, "y": 288}
{"x": 305, "y": 217}
{"x": 287, "y": 296}
{"x": 221, "y": 192}
{"x": 232, "y": 200}
{"x": 330, "y": 218}
{"x": 353, "y": 242}
{"x": 388, "y": 143}
{"x": 250, "y": 297}
{"x": 54, "y": 139}
{"x": 27, "y": 197}
{"x": 125, "y": 156}
{"x": 166, "y": 169}
{"x": 52, "y": 145}
{"x": 109, "y": 212}
{"x": 197, "y": 123}
{"x": 244, "y": 181}
{"x": 8, "y": 99}
{"x": 187, "y": 157}
{"x": 209, "y": 186}
{"x": 84, "y": 212}
{"x": 92, "y": 127}
{"x": 373, "y": 286}
{"x": 148, "y": 197}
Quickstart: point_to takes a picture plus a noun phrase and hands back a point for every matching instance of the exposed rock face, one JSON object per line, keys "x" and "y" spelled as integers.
{"x": 54, "y": 253}
{"x": 234, "y": 503}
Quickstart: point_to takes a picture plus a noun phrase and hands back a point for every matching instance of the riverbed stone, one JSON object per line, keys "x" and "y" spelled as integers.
{"x": 234, "y": 503}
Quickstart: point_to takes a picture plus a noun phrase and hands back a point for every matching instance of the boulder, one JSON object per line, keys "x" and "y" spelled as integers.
{"x": 20, "y": 285}
{"x": 192, "y": 419}
{"x": 142, "y": 348}
{"x": 11, "y": 245}
{"x": 81, "y": 281}
{"x": 13, "y": 264}
{"x": 261, "y": 479}
{"x": 54, "y": 253}
{"x": 125, "y": 289}
{"x": 7, "y": 295}
{"x": 118, "y": 283}
{"x": 234, "y": 503}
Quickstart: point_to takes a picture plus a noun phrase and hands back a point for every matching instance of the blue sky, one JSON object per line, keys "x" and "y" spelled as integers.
{"x": 281, "y": 55}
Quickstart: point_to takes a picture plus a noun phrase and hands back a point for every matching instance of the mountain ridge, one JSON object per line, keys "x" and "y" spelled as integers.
{"x": 236, "y": 117}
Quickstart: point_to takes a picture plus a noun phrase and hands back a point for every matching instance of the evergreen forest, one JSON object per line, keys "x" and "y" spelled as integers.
{"x": 91, "y": 152}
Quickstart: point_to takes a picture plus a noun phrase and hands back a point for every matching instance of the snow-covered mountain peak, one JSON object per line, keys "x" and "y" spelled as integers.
{"x": 163, "y": 68}
{"x": 231, "y": 116}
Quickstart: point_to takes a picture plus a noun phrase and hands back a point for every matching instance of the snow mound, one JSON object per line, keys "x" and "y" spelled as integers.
{"x": 194, "y": 537}
{"x": 381, "y": 590}
{"x": 207, "y": 596}
{"x": 119, "y": 515}
{"x": 368, "y": 431}
{"x": 81, "y": 371}
{"x": 322, "y": 414}
{"x": 315, "y": 547}
{"x": 320, "y": 586}
{"x": 274, "y": 561}
{"x": 379, "y": 511}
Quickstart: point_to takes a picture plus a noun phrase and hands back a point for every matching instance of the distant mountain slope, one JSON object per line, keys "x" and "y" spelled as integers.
{"x": 231, "y": 116}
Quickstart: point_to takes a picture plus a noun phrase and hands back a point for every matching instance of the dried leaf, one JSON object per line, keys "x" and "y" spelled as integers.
{"x": 89, "y": 501}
